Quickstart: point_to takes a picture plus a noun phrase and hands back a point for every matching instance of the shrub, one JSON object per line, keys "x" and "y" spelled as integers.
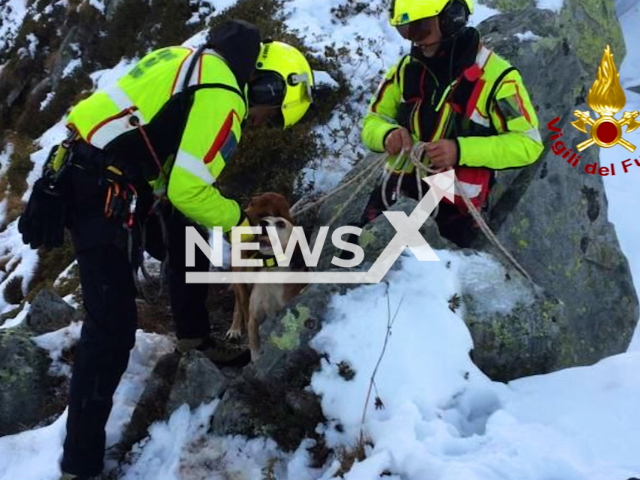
{"x": 52, "y": 263}
{"x": 13, "y": 291}
{"x": 20, "y": 164}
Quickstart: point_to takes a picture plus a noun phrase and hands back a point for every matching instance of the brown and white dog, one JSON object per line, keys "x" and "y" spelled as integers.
{"x": 253, "y": 303}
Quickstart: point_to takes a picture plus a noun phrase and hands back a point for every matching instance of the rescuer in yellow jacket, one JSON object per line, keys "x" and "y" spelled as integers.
{"x": 467, "y": 102}
{"x": 156, "y": 139}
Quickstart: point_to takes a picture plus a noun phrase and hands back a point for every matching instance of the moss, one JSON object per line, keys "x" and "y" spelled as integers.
{"x": 591, "y": 25}
{"x": 547, "y": 43}
{"x": 292, "y": 324}
{"x": 367, "y": 237}
{"x": 573, "y": 271}
{"x": 506, "y": 6}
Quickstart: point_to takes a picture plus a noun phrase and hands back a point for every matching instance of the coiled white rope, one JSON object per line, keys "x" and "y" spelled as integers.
{"x": 416, "y": 157}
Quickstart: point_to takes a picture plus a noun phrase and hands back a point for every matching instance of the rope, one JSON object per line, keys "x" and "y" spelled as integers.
{"x": 297, "y": 209}
{"x": 415, "y": 156}
{"x": 363, "y": 184}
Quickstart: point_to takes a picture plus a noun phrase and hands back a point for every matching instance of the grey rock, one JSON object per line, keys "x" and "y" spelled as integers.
{"x": 271, "y": 398}
{"x": 49, "y": 312}
{"x": 23, "y": 377}
{"x": 558, "y": 230}
{"x": 518, "y": 329}
{"x": 152, "y": 405}
{"x": 197, "y": 381}
{"x": 377, "y": 234}
{"x": 551, "y": 216}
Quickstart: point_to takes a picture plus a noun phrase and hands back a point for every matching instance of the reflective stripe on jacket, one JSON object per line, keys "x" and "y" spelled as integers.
{"x": 198, "y": 137}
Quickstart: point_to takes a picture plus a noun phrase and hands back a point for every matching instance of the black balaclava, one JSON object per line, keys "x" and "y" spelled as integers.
{"x": 239, "y": 43}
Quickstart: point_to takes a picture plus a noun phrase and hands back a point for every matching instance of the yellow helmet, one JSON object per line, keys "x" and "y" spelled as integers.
{"x": 407, "y": 11}
{"x": 283, "y": 77}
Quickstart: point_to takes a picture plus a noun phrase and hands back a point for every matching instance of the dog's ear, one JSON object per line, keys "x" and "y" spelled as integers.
{"x": 281, "y": 207}
{"x": 268, "y": 204}
{"x": 257, "y": 208}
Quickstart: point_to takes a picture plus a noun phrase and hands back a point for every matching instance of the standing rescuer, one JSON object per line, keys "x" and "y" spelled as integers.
{"x": 467, "y": 102}
{"x": 154, "y": 141}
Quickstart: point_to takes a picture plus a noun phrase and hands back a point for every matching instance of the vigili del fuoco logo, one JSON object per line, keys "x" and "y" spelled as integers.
{"x": 606, "y": 97}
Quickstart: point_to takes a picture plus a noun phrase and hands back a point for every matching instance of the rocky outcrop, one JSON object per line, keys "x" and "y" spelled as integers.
{"x": 23, "y": 373}
{"x": 377, "y": 234}
{"x": 197, "y": 381}
{"x": 518, "y": 329}
{"x": 49, "y": 312}
{"x": 271, "y": 397}
{"x": 552, "y": 216}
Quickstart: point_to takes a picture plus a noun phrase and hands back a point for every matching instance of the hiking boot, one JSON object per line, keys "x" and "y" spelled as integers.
{"x": 219, "y": 353}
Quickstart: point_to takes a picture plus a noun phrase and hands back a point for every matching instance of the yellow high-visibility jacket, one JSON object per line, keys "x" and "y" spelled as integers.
{"x": 194, "y": 138}
{"x": 497, "y": 134}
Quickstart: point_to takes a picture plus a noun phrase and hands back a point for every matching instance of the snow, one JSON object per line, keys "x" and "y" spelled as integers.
{"x": 181, "y": 449}
{"x": 12, "y": 13}
{"x": 66, "y": 274}
{"x": 47, "y": 100}
{"x": 527, "y": 36}
{"x": 56, "y": 343}
{"x": 35, "y": 454}
{"x": 485, "y": 279}
{"x": 219, "y": 5}
{"x": 98, "y": 5}
{"x": 5, "y": 156}
{"x": 442, "y": 418}
{"x": 105, "y": 78}
{"x": 71, "y": 67}
{"x": 323, "y": 78}
{"x": 33, "y": 44}
{"x": 555, "y": 5}
{"x": 481, "y": 13}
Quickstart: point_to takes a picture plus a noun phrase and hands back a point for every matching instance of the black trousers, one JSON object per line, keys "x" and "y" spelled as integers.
{"x": 458, "y": 227}
{"x": 109, "y": 297}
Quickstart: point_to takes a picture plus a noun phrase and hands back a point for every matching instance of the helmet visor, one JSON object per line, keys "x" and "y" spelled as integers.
{"x": 417, "y": 30}
{"x": 267, "y": 89}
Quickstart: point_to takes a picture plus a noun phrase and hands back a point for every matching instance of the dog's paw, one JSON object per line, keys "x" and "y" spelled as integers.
{"x": 234, "y": 334}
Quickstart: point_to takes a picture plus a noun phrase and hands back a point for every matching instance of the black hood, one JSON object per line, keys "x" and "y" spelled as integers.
{"x": 239, "y": 43}
{"x": 465, "y": 50}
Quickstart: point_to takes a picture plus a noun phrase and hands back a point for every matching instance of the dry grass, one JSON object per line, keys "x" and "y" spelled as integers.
{"x": 155, "y": 315}
{"x": 13, "y": 291}
{"x": 349, "y": 456}
{"x": 50, "y": 265}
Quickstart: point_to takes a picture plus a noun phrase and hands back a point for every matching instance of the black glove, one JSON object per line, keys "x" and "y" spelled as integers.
{"x": 43, "y": 221}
